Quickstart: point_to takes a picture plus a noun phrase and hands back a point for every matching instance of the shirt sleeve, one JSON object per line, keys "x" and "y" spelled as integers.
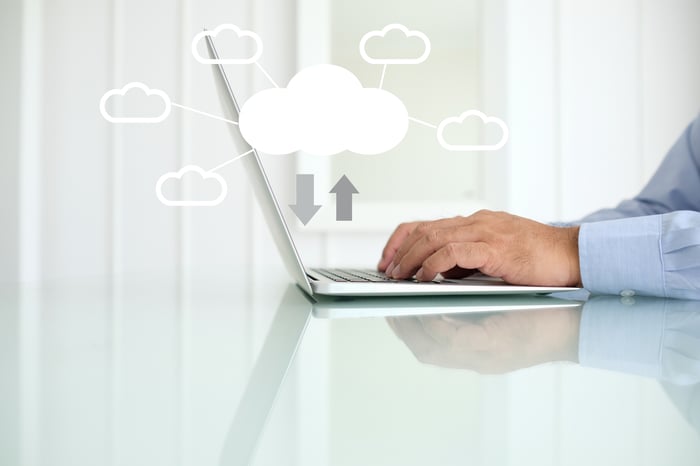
{"x": 649, "y": 337}
{"x": 612, "y": 337}
{"x": 652, "y": 337}
{"x": 674, "y": 186}
{"x": 655, "y": 255}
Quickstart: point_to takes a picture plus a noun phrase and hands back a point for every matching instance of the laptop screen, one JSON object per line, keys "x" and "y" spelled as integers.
{"x": 258, "y": 178}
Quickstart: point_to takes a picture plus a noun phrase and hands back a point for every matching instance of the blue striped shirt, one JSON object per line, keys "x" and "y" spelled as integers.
{"x": 650, "y": 245}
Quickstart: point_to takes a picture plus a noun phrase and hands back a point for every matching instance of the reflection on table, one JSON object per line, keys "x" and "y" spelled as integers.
{"x": 98, "y": 372}
{"x": 651, "y": 337}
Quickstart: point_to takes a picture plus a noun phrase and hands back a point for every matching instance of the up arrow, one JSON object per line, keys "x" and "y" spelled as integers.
{"x": 305, "y": 208}
{"x": 343, "y": 190}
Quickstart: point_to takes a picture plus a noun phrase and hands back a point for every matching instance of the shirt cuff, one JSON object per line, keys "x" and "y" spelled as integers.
{"x": 622, "y": 338}
{"x": 622, "y": 256}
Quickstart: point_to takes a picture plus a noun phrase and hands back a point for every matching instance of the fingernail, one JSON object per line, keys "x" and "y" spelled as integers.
{"x": 419, "y": 274}
{"x": 396, "y": 271}
{"x": 389, "y": 268}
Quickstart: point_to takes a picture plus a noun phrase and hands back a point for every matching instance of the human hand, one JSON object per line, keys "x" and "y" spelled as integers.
{"x": 498, "y": 244}
{"x": 491, "y": 343}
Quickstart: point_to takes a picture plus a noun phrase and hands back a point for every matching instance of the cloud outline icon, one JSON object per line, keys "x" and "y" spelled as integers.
{"x": 472, "y": 147}
{"x": 394, "y": 61}
{"x": 123, "y": 91}
{"x": 228, "y": 61}
{"x": 178, "y": 176}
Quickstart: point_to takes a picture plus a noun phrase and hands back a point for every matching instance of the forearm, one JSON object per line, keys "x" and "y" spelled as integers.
{"x": 675, "y": 185}
{"x": 637, "y": 207}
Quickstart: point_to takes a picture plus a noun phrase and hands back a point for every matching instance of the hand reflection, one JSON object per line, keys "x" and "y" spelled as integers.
{"x": 492, "y": 343}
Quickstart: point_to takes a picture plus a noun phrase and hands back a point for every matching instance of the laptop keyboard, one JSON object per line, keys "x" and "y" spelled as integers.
{"x": 353, "y": 275}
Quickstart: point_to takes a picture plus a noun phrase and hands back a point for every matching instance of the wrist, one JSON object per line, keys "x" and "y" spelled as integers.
{"x": 556, "y": 335}
{"x": 574, "y": 265}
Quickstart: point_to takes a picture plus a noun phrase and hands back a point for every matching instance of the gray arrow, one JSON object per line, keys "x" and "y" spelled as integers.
{"x": 343, "y": 190}
{"x": 305, "y": 208}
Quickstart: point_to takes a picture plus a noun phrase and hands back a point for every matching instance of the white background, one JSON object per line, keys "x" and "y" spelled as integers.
{"x": 594, "y": 92}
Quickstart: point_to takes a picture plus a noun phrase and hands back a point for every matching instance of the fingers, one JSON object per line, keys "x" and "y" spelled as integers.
{"x": 432, "y": 241}
{"x": 423, "y": 229}
{"x": 392, "y": 245}
{"x": 458, "y": 335}
{"x": 411, "y": 331}
{"x": 425, "y": 347}
{"x": 439, "y": 329}
{"x": 465, "y": 255}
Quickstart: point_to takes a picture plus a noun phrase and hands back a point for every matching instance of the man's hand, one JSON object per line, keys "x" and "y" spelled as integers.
{"x": 492, "y": 343}
{"x": 516, "y": 249}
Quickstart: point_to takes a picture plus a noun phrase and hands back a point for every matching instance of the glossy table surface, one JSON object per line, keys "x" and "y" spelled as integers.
{"x": 156, "y": 372}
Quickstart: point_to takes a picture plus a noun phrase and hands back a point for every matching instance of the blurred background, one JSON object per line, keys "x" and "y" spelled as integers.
{"x": 594, "y": 94}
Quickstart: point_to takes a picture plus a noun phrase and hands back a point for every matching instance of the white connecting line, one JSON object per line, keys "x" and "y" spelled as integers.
{"x": 193, "y": 110}
{"x": 203, "y": 113}
{"x": 381, "y": 81}
{"x": 219, "y": 167}
{"x": 421, "y": 122}
{"x": 266, "y": 74}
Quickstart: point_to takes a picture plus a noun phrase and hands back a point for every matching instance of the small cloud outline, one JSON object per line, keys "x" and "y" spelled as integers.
{"x": 227, "y": 61}
{"x": 472, "y": 147}
{"x": 178, "y": 176}
{"x": 121, "y": 92}
{"x": 394, "y": 61}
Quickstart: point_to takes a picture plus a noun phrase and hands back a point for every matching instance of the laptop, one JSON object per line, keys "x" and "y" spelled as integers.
{"x": 339, "y": 282}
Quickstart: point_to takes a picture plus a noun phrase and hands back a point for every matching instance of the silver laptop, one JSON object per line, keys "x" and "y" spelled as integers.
{"x": 339, "y": 282}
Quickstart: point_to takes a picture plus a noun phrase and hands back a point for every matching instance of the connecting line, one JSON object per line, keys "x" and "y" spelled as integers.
{"x": 219, "y": 167}
{"x": 203, "y": 113}
{"x": 266, "y": 75}
{"x": 381, "y": 81}
{"x": 421, "y": 122}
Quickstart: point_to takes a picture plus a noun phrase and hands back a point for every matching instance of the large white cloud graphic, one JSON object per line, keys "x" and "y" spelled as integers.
{"x": 377, "y": 35}
{"x": 485, "y": 120}
{"x": 201, "y": 176}
{"x": 323, "y": 111}
{"x": 139, "y": 87}
{"x": 239, "y": 35}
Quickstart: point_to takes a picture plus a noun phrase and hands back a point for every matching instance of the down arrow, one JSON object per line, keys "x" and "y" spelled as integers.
{"x": 305, "y": 208}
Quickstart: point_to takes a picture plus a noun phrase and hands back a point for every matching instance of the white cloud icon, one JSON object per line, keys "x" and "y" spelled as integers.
{"x": 394, "y": 61}
{"x": 240, "y": 34}
{"x": 323, "y": 111}
{"x": 486, "y": 120}
{"x": 123, "y": 92}
{"x": 202, "y": 175}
